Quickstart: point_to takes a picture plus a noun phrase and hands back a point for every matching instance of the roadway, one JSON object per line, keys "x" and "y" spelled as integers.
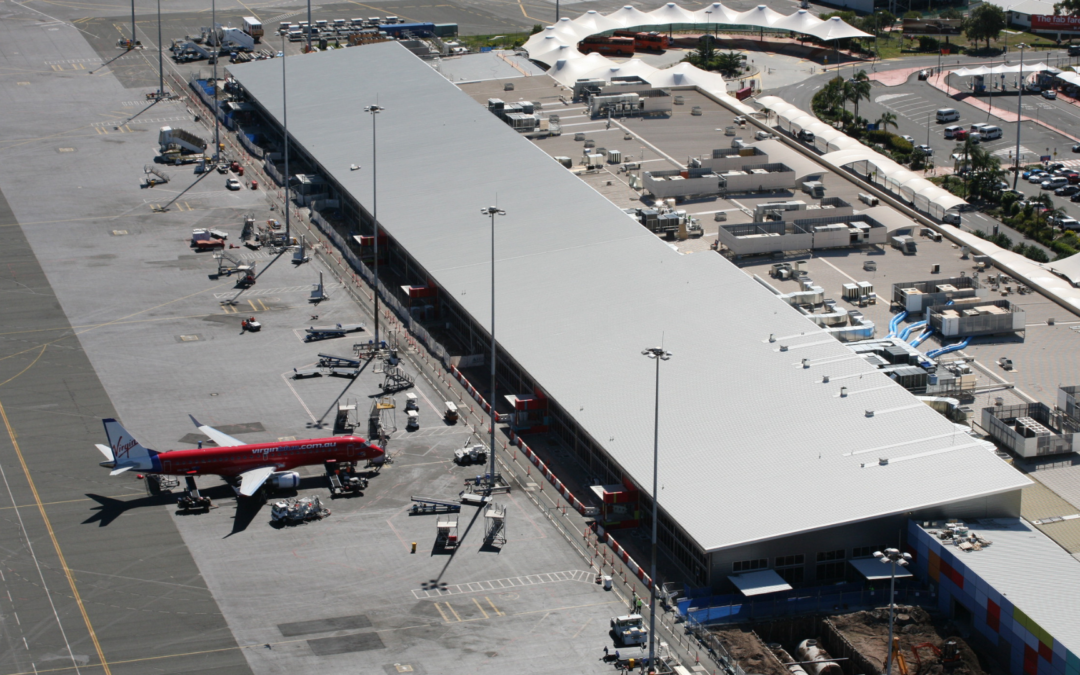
{"x": 914, "y": 103}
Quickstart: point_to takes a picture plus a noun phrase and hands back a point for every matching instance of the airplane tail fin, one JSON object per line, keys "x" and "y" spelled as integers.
{"x": 123, "y": 447}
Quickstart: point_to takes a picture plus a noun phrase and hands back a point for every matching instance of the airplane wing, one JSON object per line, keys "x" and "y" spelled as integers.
{"x": 251, "y": 481}
{"x": 223, "y": 440}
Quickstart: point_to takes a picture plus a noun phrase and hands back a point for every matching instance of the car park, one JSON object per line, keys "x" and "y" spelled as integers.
{"x": 1049, "y": 94}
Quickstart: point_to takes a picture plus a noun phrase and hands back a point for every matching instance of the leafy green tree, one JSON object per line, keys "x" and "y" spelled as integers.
{"x": 1067, "y": 7}
{"x": 952, "y": 13}
{"x": 912, "y": 15}
{"x": 536, "y": 29}
{"x": 706, "y": 51}
{"x": 985, "y": 23}
{"x": 887, "y": 119}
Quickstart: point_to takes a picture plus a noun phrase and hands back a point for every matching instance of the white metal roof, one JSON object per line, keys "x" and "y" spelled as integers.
{"x": 582, "y": 289}
{"x": 875, "y": 570}
{"x": 1032, "y": 571}
{"x": 759, "y": 583}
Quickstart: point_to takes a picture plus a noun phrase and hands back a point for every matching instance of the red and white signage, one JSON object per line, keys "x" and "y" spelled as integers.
{"x": 1061, "y": 23}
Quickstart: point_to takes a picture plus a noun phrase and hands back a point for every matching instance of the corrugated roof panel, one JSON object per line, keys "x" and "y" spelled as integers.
{"x": 582, "y": 289}
{"x": 1036, "y": 575}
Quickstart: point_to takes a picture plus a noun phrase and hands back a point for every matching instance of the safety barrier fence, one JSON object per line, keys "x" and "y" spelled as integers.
{"x": 252, "y": 148}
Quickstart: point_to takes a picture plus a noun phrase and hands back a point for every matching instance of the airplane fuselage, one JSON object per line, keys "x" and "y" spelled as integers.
{"x": 229, "y": 462}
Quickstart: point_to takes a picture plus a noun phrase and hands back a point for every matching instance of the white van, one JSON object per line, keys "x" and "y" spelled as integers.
{"x": 948, "y": 115}
{"x": 950, "y": 132}
{"x": 990, "y": 133}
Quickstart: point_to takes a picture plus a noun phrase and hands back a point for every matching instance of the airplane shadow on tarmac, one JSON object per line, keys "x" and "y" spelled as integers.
{"x": 110, "y": 509}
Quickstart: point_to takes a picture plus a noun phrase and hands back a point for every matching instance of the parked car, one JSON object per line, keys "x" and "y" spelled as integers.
{"x": 1076, "y": 148}
{"x": 1073, "y": 177}
{"x": 806, "y": 136}
{"x": 1075, "y": 197}
{"x": 909, "y": 139}
{"x": 950, "y": 132}
{"x": 1054, "y": 166}
{"x": 232, "y": 184}
{"x": 1033, "y": 88}
{"x": 926, "y": 150}
{"x": 1031, "y": 172}
{"x": 1054, "y": 183}
{"x": 924, "y": 74}
{"x": 960, "y": 134}
{"x": 1038, "y": 177}
{"x": 1049, "y": 94}
{"x": 1010, "y": 191}
{"x": 1067, "y": 190}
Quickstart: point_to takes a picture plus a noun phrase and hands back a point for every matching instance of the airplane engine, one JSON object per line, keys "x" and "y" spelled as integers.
{"x": 286, "y": 480}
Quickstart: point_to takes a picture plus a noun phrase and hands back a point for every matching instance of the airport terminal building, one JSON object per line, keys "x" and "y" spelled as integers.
{"x": 780, "y": 448}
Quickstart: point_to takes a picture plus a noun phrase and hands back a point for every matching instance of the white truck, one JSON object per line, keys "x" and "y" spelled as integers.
{"x": 629, "y": 630}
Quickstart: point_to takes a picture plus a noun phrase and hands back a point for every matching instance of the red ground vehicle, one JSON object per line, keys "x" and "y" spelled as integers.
{"x": 960, "y": 134}
{"x": 646, "y": 41}
{"x": 607, "y": 46}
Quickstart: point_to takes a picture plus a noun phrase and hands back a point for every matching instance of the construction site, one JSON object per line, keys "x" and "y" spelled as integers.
{"x": 854, "y": 643}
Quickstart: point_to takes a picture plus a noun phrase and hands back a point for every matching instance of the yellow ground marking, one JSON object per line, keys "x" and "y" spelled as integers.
{"x": 26, "y": 368}
{"x": 442, "y": 613}
{"x": 56, "y": 544}
{"x": 477, "y": 603}
{"x": 493, "y": 607}
{"x": 67, "y": 501}
{"x": 453, "y": 611}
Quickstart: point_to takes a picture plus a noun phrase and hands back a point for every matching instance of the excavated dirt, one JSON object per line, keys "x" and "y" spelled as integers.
{"x": 868, "y": 633}
{"x": 749, "y": 651}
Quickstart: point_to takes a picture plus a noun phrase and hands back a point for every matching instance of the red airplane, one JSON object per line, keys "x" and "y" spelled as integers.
{"x": 245, "y": 466}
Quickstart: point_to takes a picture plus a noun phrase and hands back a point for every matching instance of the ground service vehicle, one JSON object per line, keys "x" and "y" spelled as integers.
{"x": 607, "y": 46}
{"x": 629, "y": 630}
{"x": 253, "y": 27}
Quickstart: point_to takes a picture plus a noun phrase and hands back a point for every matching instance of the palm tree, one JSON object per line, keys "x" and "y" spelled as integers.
{"x": 860, "y": 89}
{"x": 729, "y": 63}
{"x": 706, "y": 51}
{"x": 887, "y": 119}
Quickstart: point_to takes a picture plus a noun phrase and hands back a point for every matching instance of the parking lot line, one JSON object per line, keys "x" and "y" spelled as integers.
{"x": 477, "y": 603}
{"x": 493, "y": 607}
{"x": 442, "y": 613}
{"x": 453, "y": 611}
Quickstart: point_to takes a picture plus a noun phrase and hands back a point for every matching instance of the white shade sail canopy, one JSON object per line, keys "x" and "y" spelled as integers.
{"x": 570, "y": 32}
{"x": 1030, "y": 68}
{"x": 844, "y": 151}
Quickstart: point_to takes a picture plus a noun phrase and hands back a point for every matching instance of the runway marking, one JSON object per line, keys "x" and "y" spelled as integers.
{"x": 67, "y": 501}
{"x": 507, "y": 582}
{"x": 56, "y": 545}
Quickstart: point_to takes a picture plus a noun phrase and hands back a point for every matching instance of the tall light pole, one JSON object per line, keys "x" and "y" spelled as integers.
{"x": 133, "y": 24}
{"x": 657, "y": 354}
{"x": 895, "y": 558}
{"x": 1019, "y": 110}
{"x": 374, "y": 110}
{"x": 309, "y": 28}
{"x": 708, "y": 20}
{"x": 492, "y": 211}
{"x": 217, "y": 55}
{"x": 160, "y": 56}
{"x": 285, "y": 122}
